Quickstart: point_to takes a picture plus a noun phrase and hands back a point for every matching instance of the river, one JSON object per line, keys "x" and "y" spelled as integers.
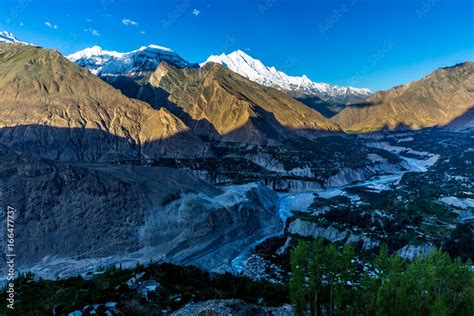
{"x": 302, "y": 200}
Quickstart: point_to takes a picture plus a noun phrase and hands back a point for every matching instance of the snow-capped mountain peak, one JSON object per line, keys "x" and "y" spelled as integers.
{"x": 94, "y": 51}
{"x": 7, "y": 37}
{"x": 138, "y": 62}
{"x": 253, "y": 69}
{"x": 153, "y": 46}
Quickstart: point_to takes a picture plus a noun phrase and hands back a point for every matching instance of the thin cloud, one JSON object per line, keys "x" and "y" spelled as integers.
{"x": 196, "y": 12}
{"x": 50, "y": 25}
{"x": 92, "y": 31}
{"x": 88, "y": 20}
{"x": 129, "y": 22}
{"x": 142, "y": 32}
{"x": 21, "y": 24}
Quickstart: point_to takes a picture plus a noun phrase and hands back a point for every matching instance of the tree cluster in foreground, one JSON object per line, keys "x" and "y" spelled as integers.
{"x": 326, "y": 280}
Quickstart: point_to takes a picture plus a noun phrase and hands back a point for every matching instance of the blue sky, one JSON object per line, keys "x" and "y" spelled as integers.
{"x": 363, "y": 43}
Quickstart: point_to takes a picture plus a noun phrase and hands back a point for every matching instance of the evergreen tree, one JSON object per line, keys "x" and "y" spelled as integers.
{"x": 316, "y": 270}
{"x": 346, "y": 288}
{"x": 298, "y": 287}
{"x": 388, "y": 271}
{"x": 327, "y": 280}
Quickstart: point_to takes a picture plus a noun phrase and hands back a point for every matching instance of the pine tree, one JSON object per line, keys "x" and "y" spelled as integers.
{"x": 332, "y": 262}
{"x": 388, "y": 272}
{"x": 345, "y": 293}
{"x": 298, "y": 287}
{"x": 316, "y": 270}
{"x": 327, "y": 281}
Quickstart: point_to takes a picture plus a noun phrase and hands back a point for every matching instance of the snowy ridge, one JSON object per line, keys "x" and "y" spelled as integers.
{"x": 255, "y": 70}
{"x": 7, "y": 37}
{"x": 135, "y": 63}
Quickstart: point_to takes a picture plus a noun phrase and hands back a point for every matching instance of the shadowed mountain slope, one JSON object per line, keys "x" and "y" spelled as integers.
{"x": 74, "y": 217}
{"x": 328, "y": 109}
{"x": 463, "y": 122}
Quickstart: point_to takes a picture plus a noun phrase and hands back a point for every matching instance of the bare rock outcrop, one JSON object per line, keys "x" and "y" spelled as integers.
{"x": 410, "y": 252}
{"x": 232, "y": 307}
{"x": 332, "y": 234}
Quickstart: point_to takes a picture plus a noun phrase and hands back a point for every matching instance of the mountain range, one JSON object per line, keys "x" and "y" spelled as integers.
{"x": 145, "y": 59}
{"x": 300, "y": 87}
{"x": 418, "y": 104}
{"x": 212, "y": 100}
{"x": 230, "y": 97}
